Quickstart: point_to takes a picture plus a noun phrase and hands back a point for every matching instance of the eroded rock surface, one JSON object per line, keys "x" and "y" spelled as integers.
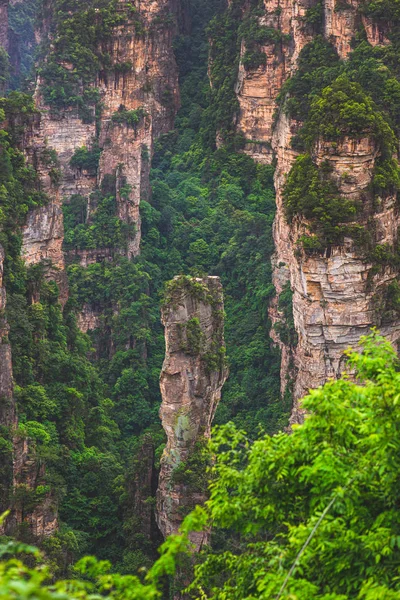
{"x": 150, "y": 84}
{"x": 4, "y": 23}
{"x": 7, "y": 404}
{"x": 24, "y": 472}
{"x": 338, "y": 295}
{"x": 192, "y": 377}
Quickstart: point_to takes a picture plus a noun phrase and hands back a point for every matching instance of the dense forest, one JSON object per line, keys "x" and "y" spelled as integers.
{"x": 307, "y": 512}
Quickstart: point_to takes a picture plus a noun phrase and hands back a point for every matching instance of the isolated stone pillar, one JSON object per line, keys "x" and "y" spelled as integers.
{"x": 192, "y": 377}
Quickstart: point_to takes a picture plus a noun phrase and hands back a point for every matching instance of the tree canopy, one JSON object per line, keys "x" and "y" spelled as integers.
{"x": 309, "y": 515}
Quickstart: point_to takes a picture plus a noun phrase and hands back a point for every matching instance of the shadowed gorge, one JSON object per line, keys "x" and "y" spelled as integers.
{"x": 191, "y": 188}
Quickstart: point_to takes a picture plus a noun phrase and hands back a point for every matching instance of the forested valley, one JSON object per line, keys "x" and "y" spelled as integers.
{"x": 199, "y": 299}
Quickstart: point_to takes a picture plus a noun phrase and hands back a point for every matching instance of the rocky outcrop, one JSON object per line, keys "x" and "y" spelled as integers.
{"x": 192, "y": 376}
{"x": 337, "y": 295}
{"x": 37, "y": 515}
{"x": 4, "y": 23}
{"x": 257, "y": 90}
{"x": 342, "y": 20}
{"x": 147, "y": 84}
{"x": 7, "y": 404}
{"x": 88, "y": 319}
{"x": 34, "y": 509}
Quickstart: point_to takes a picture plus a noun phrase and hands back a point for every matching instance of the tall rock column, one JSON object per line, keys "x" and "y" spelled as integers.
{"x": 258, "y": 88}
{"x": 138, "y": 93}
{"x": 336, "y": 295}
{"x": 20, "y": 471}
{"x": 4, "y": 23}
{"x": 7, "y": 403}
{"x": 192, "y": 377}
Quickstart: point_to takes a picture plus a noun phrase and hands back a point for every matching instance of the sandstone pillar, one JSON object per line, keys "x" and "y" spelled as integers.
{"x": 192, "y": 377}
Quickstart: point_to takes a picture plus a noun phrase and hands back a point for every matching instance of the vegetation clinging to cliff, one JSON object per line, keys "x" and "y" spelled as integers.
{"x": 327, "y": 494}
{"x": 315, "y": 512}
{"x": 359, "y": 98}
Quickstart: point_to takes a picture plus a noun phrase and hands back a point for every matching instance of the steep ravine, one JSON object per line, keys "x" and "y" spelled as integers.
{"x": 142, "y": 91}
{"x": 110, "y": 243}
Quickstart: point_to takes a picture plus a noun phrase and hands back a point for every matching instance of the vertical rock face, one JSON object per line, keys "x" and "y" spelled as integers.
{"x": 149, "y": 83}
{"x": 4, "y": 23}
{"x": 191, "y": 380}
{"x": 141, "y": 488}
{"x": 26, "y": 471}
{"x": 257, "y": 90}
{"x": 7, "y": 404}
{"x": 337, "y": 295}
{"x": 341, "y": 22}
{"x": 39, "y": 517}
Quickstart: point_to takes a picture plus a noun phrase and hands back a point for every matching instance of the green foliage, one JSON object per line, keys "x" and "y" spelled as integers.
{"x": 194, "y": 336}
{"x": 23, "y": 574}
{"x": 19, "y": 186}
{"x": 192, "y": 473}
{"x": 22, "y": 21}
{"x": 344, "y": 109}
{"x": 223, "y": 30}
{"x": 82, "y": 32}
{"x": 254, "y": 36}
{"x": 317, "y": 510}
{"x": 85, "y": 159}
{"x": 103, "y": 230}
{"x": 383, "y": 10}
{"x": 359, "y": 98}
{"x": 315, "y": 15}
{"x": 285, "y": 327}
{"x": 318, "y": 65}
{"x": 131, "y": 118}
{"x": 310, "y": 192}
{"x": 4, "y": 69}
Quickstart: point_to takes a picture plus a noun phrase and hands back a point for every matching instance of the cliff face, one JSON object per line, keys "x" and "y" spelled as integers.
{"x": 7, "y": 404}
{"x": 336, "y": 294}
{"x": 31, "y": 510}
{"x": 146, "y": 83}
{"x": 25, "y": 471}
{"x": 4, "y": 23}
{"x": 257, "y": 90}
{"x": 192, "y": 376}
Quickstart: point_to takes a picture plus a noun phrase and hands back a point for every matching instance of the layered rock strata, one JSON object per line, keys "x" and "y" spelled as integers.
{"x": 192, "y": 377}
{"x": 7, "y": 405}
{"x": 4, "y": 23}
{"x": 337, "y": 296}
{"x": 149, "y": 84}
{"x": 25, "y": 472}
{"x": 8, "y": 418}
{"x": 257, "y": 90}
{"x": 30, "y": 511}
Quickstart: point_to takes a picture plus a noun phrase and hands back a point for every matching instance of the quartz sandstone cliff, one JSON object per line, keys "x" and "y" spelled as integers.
{"x": 337, "y": 296}
{"x": 4, "y": 23}
{"x": 192, "y": 376}
{"x": 21, "y": 471}
{"x": 150, "y": 83}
